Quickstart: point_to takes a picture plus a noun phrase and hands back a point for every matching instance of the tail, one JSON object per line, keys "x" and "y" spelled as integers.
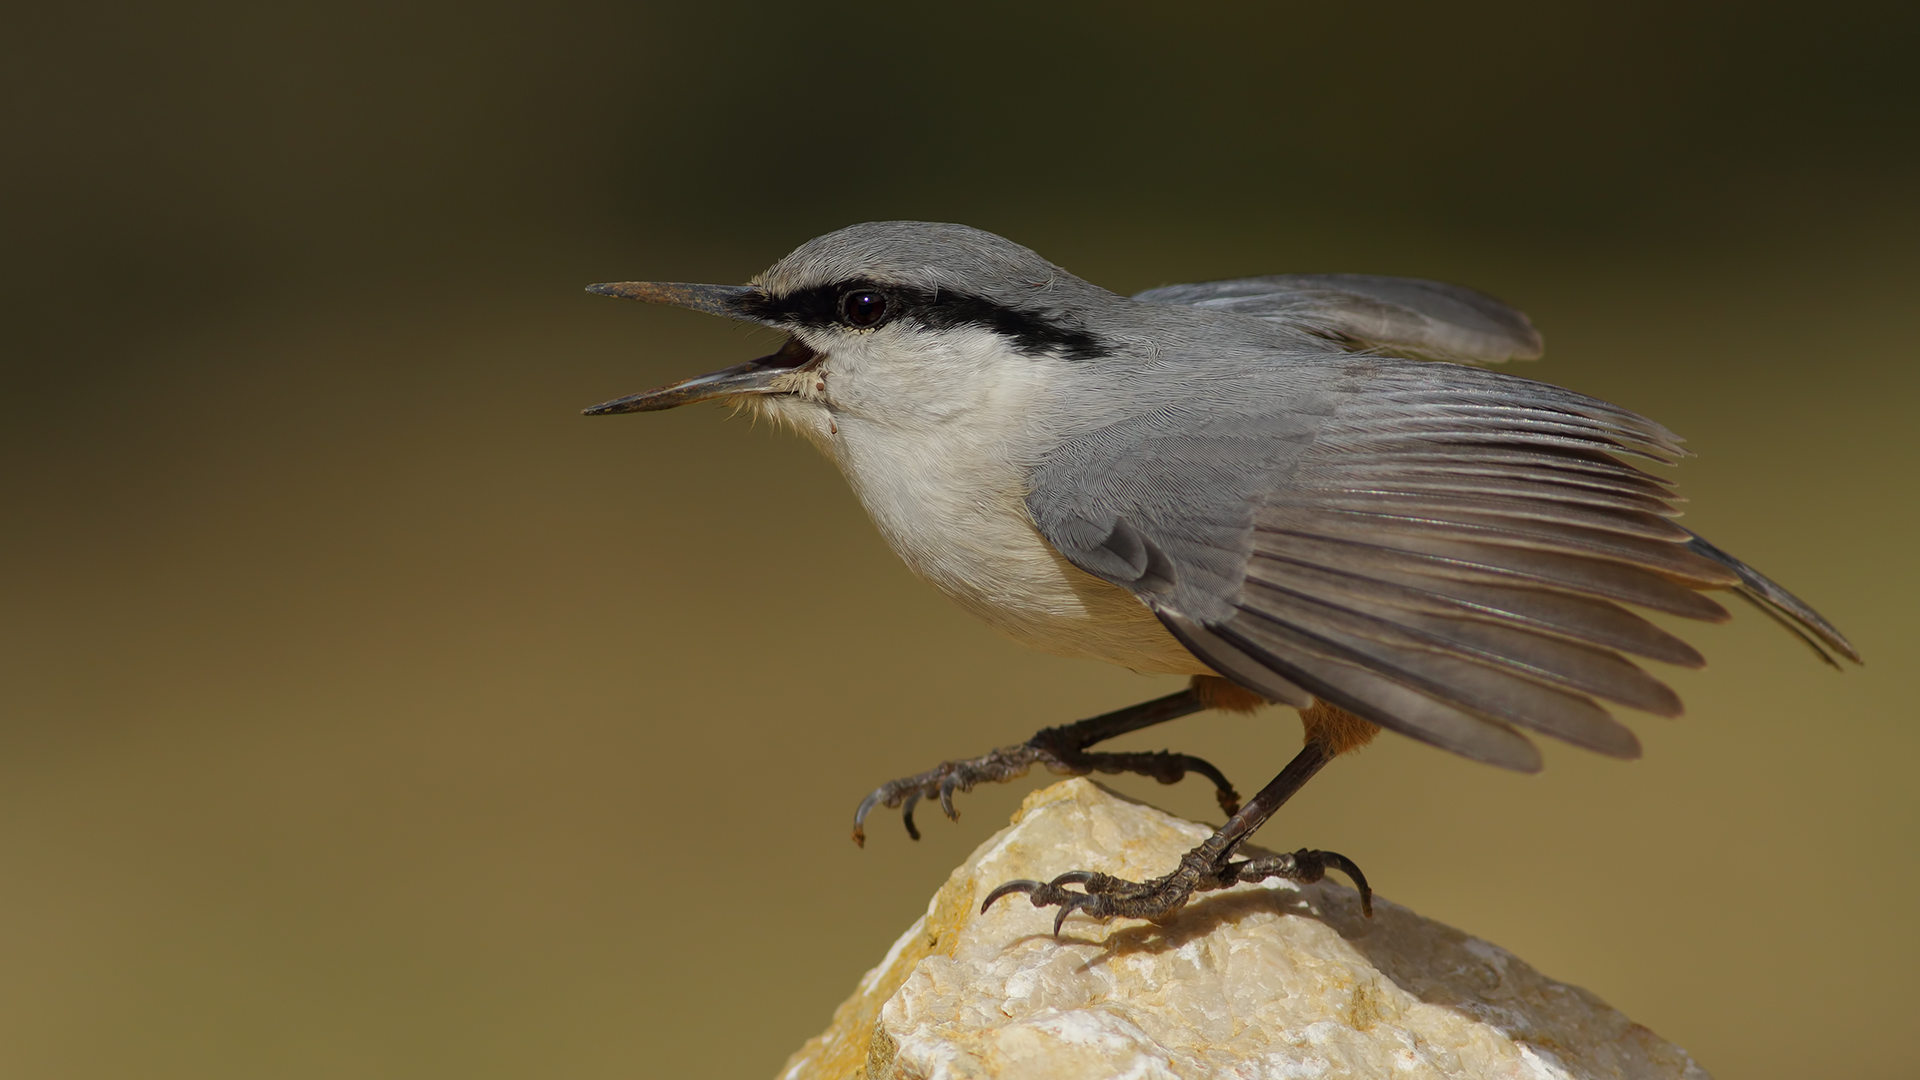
{"x": 1782, "y": 606}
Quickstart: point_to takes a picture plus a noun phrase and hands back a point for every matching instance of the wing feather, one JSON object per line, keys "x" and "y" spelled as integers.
{"x": 1435, "y": 534}
{"x": 1510, "y": 566}
{"x": 1399, "y": 500}
{"x": 1782, "y": 606}
{"x": 1442, "y": 550}
{"x": 1363, "y": 689}
{"x": 1580, "y": 618}
{"x": 1528, "y": 489}
{"x": 1404, "y": 316}
{"x": 1516, "y": 466}
{"x": 1451, "y": 670}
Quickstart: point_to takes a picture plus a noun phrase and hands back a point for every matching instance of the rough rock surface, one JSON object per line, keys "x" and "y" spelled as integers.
{"x": 1268, "y": 980}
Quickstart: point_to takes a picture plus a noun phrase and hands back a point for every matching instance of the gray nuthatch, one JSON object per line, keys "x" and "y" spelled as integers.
{"x": 1289, "y": 488}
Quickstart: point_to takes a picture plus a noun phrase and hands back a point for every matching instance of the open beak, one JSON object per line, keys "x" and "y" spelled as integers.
{"x": 760, "y": 376}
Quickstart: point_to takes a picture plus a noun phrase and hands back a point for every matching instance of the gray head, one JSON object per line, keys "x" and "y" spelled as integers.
{"x": 880, "y": 298}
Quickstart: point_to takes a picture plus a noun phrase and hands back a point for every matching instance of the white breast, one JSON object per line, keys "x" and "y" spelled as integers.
{"x": 946, "y": 486}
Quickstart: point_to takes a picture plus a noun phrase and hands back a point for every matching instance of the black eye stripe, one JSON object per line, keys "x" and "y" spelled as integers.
{"x": 1033, "y": 333}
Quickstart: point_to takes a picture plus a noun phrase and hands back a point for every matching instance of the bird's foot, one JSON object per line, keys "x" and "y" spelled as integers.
{"x": 998, "y": 766}
{"x": 1061, "y": 749}
{"x": 1103, "y": 896}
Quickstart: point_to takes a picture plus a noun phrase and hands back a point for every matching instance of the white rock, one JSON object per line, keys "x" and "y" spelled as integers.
{"x": 1259, "y": 981}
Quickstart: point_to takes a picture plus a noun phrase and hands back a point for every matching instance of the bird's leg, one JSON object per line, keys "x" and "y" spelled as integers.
{"x": 1064, "y": 750}
{"x": 1211, "y": 865}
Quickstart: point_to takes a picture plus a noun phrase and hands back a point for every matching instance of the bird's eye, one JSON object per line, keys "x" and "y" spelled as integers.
{"x": 863, "y": 307}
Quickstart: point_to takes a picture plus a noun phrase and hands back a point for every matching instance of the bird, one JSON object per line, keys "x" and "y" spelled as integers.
{"x": 1299, "y": 489}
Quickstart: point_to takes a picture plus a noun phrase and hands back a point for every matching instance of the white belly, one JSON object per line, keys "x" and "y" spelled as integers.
{"x": 958, "y": 517}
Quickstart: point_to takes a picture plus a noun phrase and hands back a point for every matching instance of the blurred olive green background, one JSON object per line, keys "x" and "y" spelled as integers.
{"x": 369, "y": 713}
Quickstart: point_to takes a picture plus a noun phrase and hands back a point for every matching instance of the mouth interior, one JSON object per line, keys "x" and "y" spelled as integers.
{"x": 794, "y": 354}
{"x": 773, "y": 374}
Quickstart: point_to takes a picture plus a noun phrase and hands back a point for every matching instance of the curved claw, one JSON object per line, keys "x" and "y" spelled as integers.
{"x": 906, "y": 815}
{"x": 1345, "y": 865}
{"x": 946, "y": 796}
{"x": 1072, "y": 901}
{"x": 1223, "y": 792}
{"x": 860, "y": 816}
{"x": 1008, "y": 888}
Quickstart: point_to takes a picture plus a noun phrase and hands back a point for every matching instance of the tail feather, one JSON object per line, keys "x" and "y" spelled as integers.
{"x": 1782, "y": 606}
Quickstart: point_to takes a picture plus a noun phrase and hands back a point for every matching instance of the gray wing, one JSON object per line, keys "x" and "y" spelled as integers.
{"x": 1402, "y": 316}
{"x": 1448, "y": 552}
